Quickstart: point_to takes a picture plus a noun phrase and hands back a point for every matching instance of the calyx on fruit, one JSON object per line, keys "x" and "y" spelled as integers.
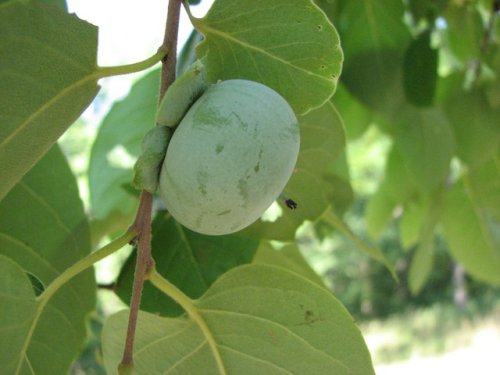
{"x": 230, "y": 157}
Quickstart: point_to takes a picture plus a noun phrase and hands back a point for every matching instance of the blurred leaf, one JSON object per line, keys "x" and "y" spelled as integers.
{"x": 48, "y": 71}
{"x": 423, "y": 258}
{"x": 420, "y": 71}
{"x": 289, "y": 258}
{"x": 372, "y": 251}
{"x": 287, "y": 45}
{"x": 464, "y": 31}
{"x": 263, "y": 319}
{"x": 411, "y": 222}
{"x": 430, "y": 9}
{"x": 374, "y": 39}
{"x": 119, "y": 138}
{"x": 398, "y": 181}
{"x": 322, "y": 141}
{"x": 356, "y": 116}
{"x": 421, "y": 264}
{"x": 470, "y": 233}
{"x": 483, "y": 185}
{"x": 189, "y": 260}
{"x": 378, "y": 212}
{"x": 45, "y": 230}
{"x": 475, "y": 125}
{"x": 426, "y": 143}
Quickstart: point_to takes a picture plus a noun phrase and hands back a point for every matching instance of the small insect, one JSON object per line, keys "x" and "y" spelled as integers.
{"x": 290, "y": 203}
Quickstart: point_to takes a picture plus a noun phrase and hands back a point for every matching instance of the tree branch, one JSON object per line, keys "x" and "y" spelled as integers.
{"x": 142, "y": 223}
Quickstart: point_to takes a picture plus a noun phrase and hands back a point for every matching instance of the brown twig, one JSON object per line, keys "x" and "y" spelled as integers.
{"x": 142, "y": 221}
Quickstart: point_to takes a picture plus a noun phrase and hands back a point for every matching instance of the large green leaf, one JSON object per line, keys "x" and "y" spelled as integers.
{"x": 426, "y": 142}
{"x": 264, "y": 320}
{"x": 322, "y": 141}
{"x": 475, "y": 125}
{"x": 48, "y": 78}
{"x": 17, "y": 311}
{"x": 189, "y": 260}
{"x": 119, "y": 139}
{"x": 288, "y": 45}
{"x": 290, "y": 258}
{"x": 374, "y": 39}
{"x": 472, "y": 235}
{"x": 44, "y": 229}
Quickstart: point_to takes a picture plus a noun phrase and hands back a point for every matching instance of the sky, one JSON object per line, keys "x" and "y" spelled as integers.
{"x": 129, "y": 31}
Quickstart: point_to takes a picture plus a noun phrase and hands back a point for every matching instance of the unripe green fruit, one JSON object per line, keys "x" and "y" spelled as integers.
{"x": 230, "y": 157}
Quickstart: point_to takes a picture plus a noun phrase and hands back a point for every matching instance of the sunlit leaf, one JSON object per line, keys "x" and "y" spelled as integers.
{"x": 44, "y": 229}
{"x": 48, "y": 78}
{"x": 356, "y": 116}
{"x": 475, "y": 125}
{"x": 189, "y": 260}
{"x": 379, "y": 212}
{"x": 472, "y": 235}
{"x": 426, "y": 142}
{"x": 421, "y": 264}
{"x": 264, "y": 320}
{"x": 483, "y": 184}
{"x": 464, "y": 32}
{"x": 117, "y": 146}
{"x": 288, "y": 45}
{"x": 290, "y": 258}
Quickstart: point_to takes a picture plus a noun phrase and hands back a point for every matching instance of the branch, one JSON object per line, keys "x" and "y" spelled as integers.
{"x": 142, "y": 223}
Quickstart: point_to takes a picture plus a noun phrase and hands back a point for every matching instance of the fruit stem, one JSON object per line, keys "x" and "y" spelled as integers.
{"x": 142, "y": 222}
{"x": 187, "y": 304}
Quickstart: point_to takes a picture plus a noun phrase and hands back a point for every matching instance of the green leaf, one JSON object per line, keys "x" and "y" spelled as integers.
{"x": 413, "y": 217}
{"x": 374, "y": 39}
{"x": 475, "y": 125}
{"x": 264, "y": 320}
{"x": 60, "y": 3}
{"x": 356, "y": 116}
{"x": 378, "y": 212}
{"x": 470, "y": 233}
{"x": 119, "y": 138}
{"x": 464, "y": 32}
{"x": 48, "y": 75}
{"x": 426, "y": 143}
{"x": 290, "y": 258}
{"x": 44, "y": 228}
{"x": 423, "y": 258}
{"x": 322, "y": 141}
{"x": 398, "y": 181}
{"x": 17, "y": 309}
{"x": 189, "y": 260}
{"x": 483, "y": 185}
{"x": 421, "y": 264}
{"x": 420, "y": 71}
{"x": 288, "y": 45}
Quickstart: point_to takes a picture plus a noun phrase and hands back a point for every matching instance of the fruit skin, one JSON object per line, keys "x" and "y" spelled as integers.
{"x": 230, "y": 157}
